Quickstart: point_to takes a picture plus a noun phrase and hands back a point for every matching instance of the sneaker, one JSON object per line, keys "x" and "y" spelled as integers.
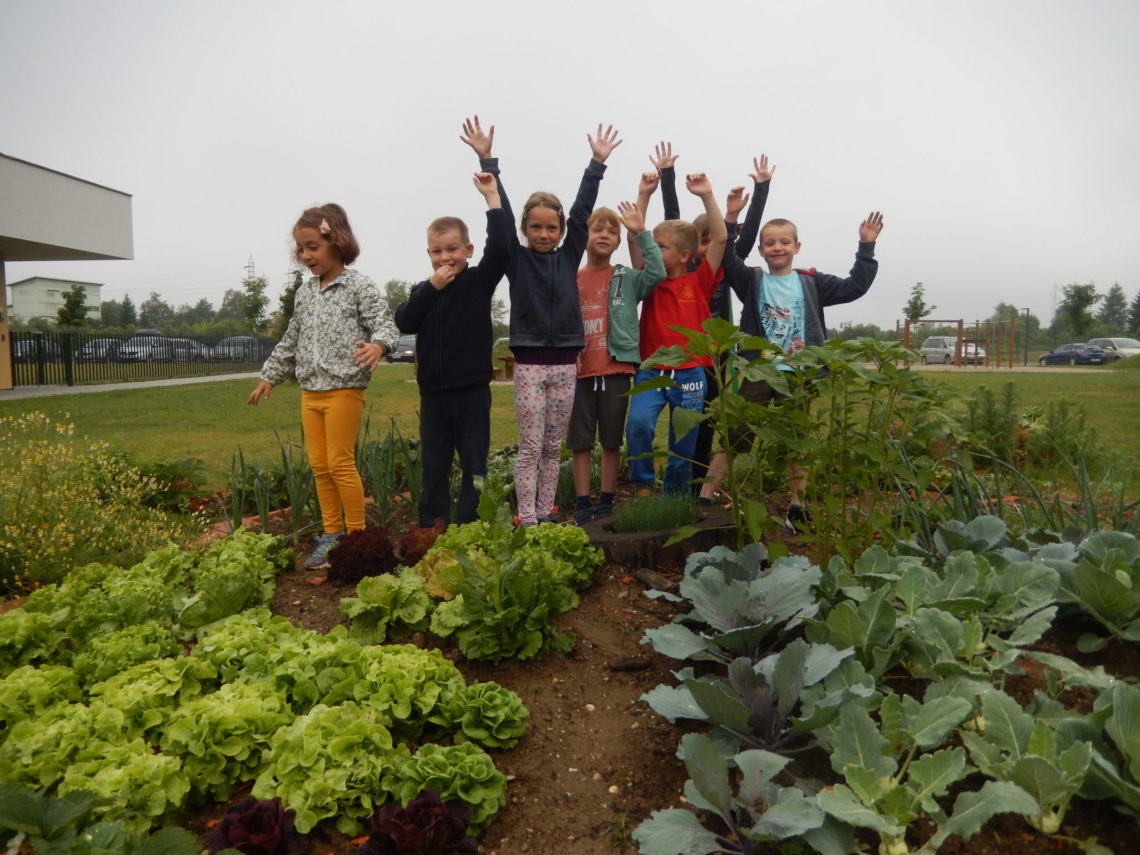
{"x": 798, "y": 519}
{"x": 584, "y": 515}
{"x": 643, "y": 492}
{"x": 603, "y": 511}
{"x": 551, "y": 517}
{"x": 320, "y": 555}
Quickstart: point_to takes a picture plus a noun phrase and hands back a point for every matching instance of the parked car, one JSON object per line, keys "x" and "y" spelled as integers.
{"x": 405, "y": 350}
{"x": 940, "y": 348}
{"x": 146, "y": 348}
{"x": 236, "y": 348}
{"x": 1116, "y": 349}
{"x": 30, "y": 350}
{"x": 188, "y": 350}
{"x": 98, "y": 350}
{"x": 1073, "y": 353}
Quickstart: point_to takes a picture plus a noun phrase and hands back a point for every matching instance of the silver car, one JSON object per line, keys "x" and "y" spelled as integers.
{"x": 1116, "y": 349}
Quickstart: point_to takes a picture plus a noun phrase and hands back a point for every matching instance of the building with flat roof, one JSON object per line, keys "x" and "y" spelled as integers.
{"x": 42, "y": 297}
{"x": 47, "y": 215}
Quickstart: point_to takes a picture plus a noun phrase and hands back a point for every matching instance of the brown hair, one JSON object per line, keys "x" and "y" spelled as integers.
{"x": 781, "y": 222}
{"x": 444, "y": 224}
{"x": 541, "y": 199}
{"x": 606, "y": 216}
{"x": 339, "y": 232}
{"x": 684, "y": 234}
{"x": 701, "y": 224}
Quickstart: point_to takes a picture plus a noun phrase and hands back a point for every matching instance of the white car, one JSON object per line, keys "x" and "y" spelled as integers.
{"x": 940, "y": 348}
{"x": 1116, "y": 349}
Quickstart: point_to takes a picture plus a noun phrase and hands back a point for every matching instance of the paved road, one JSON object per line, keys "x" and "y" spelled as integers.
{"x": 47, "y": 391}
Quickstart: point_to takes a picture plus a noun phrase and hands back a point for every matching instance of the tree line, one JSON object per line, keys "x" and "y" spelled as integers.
{"x": 242, "y": 311}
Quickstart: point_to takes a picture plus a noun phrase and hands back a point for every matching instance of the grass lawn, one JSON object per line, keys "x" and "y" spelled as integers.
{"x": 211, "y": 421}
{"x": 1110, "y": 395}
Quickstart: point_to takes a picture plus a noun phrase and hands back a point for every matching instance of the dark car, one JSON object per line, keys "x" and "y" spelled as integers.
{"x": 1073, "y": 353}
{"x": 188, "y": 350}
{"x": 98, "y": 350}
{"x": 146, "y": 348}
{"x": 29, "y": 350}
{"x": 405, "y": 350}
{"x": 236, "y": 348}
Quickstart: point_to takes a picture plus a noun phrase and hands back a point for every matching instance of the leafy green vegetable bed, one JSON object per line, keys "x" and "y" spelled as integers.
{"x": 169, "y": 684}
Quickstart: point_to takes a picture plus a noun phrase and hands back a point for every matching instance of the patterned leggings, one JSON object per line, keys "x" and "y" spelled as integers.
{"x": 544, "y": 397}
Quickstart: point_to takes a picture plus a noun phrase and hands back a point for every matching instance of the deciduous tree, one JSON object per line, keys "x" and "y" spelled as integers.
{"x": 916, "y": 307}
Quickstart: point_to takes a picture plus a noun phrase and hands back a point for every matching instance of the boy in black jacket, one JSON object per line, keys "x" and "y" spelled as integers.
{"x": 450, "y": 313}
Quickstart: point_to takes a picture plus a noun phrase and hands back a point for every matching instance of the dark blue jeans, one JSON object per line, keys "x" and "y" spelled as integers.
{"x": 644, "y": 410}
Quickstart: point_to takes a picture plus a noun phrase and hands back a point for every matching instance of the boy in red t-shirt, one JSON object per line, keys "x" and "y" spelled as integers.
{"x": 608, "y": 296}
{"x": 682, "y": 300}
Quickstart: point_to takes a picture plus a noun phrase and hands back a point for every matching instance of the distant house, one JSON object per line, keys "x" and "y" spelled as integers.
{"x": 40, "y": 297}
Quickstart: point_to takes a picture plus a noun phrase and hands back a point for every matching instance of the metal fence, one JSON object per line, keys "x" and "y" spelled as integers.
{"x": 74, "y": 358}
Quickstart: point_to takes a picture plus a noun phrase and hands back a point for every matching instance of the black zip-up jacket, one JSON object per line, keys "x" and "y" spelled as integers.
{"x": 544, "y": 285}
{"x": 454, "y": 336}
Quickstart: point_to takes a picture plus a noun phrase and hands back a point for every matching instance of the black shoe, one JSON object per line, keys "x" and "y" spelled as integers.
{"x": 603, "y": 511}
{"x": 798, "y": 519}
{"x": 584, "y": 515}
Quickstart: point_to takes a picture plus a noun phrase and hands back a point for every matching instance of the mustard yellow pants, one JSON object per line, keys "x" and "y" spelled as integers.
{"x": 330, "y": 421}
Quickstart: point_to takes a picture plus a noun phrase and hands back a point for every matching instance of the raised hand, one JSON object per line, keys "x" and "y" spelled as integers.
{"x": 663, "y": 156}
{"x": 869, "y": 229}
{"x": 631, "y": 217}
{"x": 473, "y": 135}
{"x": 735, "y": 203}
{"x": 485, "y": 184}
{"x": 648, "y": 184}
{"x": 698, "y": 184}
{"x": 762, "y": 171}
{"x": 604, "y": 143}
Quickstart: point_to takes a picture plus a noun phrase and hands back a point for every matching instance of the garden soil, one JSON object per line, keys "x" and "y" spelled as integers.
{"x": 596, "y": 761}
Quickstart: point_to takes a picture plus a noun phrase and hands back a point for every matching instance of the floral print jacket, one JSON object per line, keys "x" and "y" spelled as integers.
{"x": 325, "y": 331}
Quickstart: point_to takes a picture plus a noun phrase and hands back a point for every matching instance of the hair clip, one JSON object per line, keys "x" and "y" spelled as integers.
{"x": 325, "y": 227}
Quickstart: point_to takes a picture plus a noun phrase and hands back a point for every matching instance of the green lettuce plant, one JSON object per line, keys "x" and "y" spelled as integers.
{"x": 463, "y": 772}
{"x": 486, "y": 714}
{"x": 388, "y": 605}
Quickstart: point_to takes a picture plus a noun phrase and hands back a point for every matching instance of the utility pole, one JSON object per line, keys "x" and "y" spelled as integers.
{"x": 1026, "y": 310}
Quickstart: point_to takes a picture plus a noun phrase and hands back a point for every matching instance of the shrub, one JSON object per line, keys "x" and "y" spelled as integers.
{"x": 67, "y": 501}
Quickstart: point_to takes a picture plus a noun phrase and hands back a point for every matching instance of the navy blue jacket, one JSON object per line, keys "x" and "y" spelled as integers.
{"x": 544, "y": 285}
{"x": 453, "y": 328}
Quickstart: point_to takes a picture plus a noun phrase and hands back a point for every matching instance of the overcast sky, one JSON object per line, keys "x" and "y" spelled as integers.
{"x": 1001, "y": 140}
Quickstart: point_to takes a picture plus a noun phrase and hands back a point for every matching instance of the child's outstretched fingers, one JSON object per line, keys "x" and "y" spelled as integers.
{"x": 649, "y": 182}
{"x": 604, "y": 143}
{"x": 869, "y": 229}
{"x": 262, "y": 391}
{"x": 474, "y": 136}
{"x": 485, "y": 183}
{"x": 631, "y": 217}
{"x": 698, "y": 183}
{"x": 735, "y": 202}
{"x": 762, "y": 171}
{"x": 663, "y": 156}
